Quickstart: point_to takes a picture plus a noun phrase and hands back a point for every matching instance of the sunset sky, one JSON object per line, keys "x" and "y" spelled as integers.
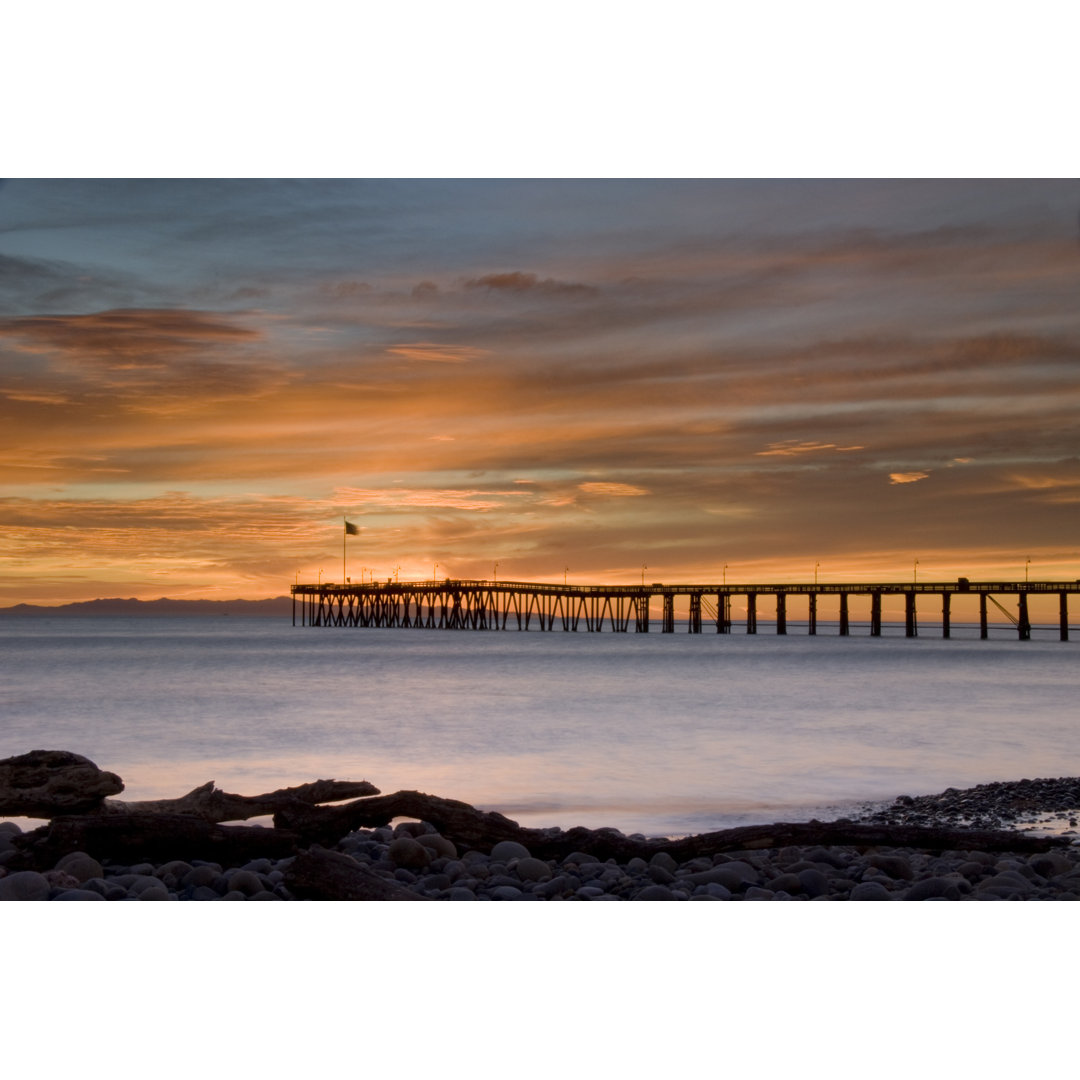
{"x": 199, "y": 379}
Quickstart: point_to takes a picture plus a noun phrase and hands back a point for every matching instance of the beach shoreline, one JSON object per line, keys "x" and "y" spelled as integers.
{"x": 411, "y": 859}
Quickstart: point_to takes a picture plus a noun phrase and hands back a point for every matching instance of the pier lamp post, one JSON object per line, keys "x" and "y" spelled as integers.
{"x": 435, "y": 572}
{"x": 320, "y": 575}
{"x": 565, "y": 571}
{"x": 915, "y": 578}
{"x": 396, "y": 569}
{"x": 643, "y": 569}
{"x": 1027, "y": 566}
{"x": 816, "y": 565}
{"x": 725, "y": 573}
{"x": 495, "y": 573}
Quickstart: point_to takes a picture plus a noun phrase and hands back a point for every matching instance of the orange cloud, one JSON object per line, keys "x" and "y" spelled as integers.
{"x": 907, "y": 477}
{"x": 612, "y": 489}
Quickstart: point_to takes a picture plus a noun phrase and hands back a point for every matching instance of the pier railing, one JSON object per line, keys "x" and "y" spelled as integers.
{"x": 462, "y": 604}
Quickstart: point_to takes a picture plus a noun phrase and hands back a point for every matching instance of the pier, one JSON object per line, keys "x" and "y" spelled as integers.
{"x": 449, "y": 604}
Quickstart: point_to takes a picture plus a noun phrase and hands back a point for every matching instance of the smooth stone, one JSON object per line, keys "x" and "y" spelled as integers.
{"x": 407, "y": 852}
{"x": 814, "y": 883}
{"x": 654, "y": 892}
{"x": 177, "y": 869}
{"x": 25, "y": 885}
{"x": 505, "y": 850}
{"x": 258, "y": 866}
{"x": 155, "y": 892}
{"x": 933, "y": 888}
{"x": 894, "y": 866}
{"x": 579, "y": 857}
{"x": 530, "y": 869}
{"x": 789, "y": 883}
{"x": 264, "y": 894}
{"x": 870, "y": 890}
{"x": 78, "y": 894}
{"x": 589, "y": 892}
{"x": 141, "y": 882}
{"x": 198, "y": 876}
{"x": 660, "y": 875}
{"x": 756, "y": 892}
{"x": 204, "y": 892}
{"x": 439, "y": 845}
{"x": 561, "y": 884}
{"x": 734, "y": 876}
{"x": 80, "y": 866}
{"x": 246, "y": 882}
{"x": 108, "y": 889}
{"x": 459, "y": 892}
{"x": 665, "y": 861}
{"x": 1050, "y": 864}
{"x": 505, "y": 892}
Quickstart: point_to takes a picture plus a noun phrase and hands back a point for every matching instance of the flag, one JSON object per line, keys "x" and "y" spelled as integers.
{"x": 351, "y": 529}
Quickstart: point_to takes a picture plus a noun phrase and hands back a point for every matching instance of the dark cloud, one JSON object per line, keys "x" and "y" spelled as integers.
{"x": 520, "y": 282}
{"x": 135, "y": 336}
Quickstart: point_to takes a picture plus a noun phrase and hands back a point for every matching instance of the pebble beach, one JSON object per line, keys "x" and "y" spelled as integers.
{"x": 414, "y": 856}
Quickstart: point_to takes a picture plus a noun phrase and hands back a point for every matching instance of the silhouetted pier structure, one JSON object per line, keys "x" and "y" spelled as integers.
{"x": 516, "y": 605}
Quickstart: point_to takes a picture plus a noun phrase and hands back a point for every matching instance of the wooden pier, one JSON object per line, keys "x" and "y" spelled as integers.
{"x": 515, "y": 605}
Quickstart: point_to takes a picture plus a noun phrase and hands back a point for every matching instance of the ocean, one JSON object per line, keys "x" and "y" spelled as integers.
{"x": 664, "y": 734}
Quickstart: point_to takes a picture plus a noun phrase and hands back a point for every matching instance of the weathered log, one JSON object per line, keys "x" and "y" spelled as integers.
{"x": 212, "y": 804}
{"x": 155, "y": 838}
{"x": 44, "y": 783}
{"x": 468, "y": 828}
{"x": 319, "y": 874}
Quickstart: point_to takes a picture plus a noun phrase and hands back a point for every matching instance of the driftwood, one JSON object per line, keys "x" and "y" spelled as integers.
{"x": 71, "y": 790}
{"x": 468, "y": 828}
{"x": 46, "y": 783}
{"x": 155, "y": 838}
{"x": 328, "y": 875}
{"x": 212, "y": 804}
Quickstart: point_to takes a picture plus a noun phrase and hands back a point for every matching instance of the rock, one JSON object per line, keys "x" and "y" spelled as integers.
{"x": 505, "y": 850}
{"x": 48, "y": 783}
{"x": 933, "y": 888}
{"x": 531, "y": 869}
{"x": 505, "y": 892}
{"x": 664, "y": 861}
{"x": 155, "y": 892}
{"x": 80, "y": 866}
{"x": 895, "y": 866}
{"x": 78, "y": 894}
{"x": 439, "y": 845}
{"x": 24, "y": 885}
{"x": 246, "y": 882}
{"x": 459, "y": 892}
{"x": 789, "y": 883}
{"x": 198, "y": 876}
{"x": 870, "y": 890}
{"x": 814, "y": 883}
{"x": 407, "y": 852}
{"x": 755, "y": 892}
{"x": 654, "y": 892}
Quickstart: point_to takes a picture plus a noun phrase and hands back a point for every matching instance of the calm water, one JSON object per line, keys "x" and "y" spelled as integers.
{"x": 663, "y": 734}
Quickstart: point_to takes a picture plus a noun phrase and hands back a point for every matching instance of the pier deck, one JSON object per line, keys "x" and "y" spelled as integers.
{"x": 450, "y": 604}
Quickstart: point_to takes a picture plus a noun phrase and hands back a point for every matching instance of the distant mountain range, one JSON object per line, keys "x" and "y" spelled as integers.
{"x": 279, "y": 606}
